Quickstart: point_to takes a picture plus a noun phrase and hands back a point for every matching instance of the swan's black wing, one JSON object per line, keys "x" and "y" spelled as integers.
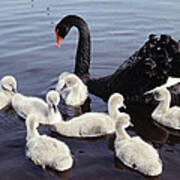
{"x": 144, "y": 70}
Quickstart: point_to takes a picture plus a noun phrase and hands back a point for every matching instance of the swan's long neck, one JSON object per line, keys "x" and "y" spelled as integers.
{"x": 84, "y": 48}
{"x": 162, "y": 107}
{"x": 31, "y": 130}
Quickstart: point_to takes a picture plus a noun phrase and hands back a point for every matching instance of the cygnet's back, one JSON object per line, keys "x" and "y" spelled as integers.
{"x": 86, "y": 125}
{"x": 139, "y": 155}
{"x": 27, "y": 105}
{"x": 47, "y": 114}
{"x": 47, "y": 151}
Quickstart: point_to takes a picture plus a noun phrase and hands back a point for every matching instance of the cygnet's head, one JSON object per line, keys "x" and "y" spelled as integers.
{"x": 52, "y": 98}
{"x": 9, "y": 83}
{"x": 123, "y": 121}
{"x": 116, "y": 100}
{"x": 161, "y": 94}
{"x": 63, "y": 75}
{"x": 67, "y": 81}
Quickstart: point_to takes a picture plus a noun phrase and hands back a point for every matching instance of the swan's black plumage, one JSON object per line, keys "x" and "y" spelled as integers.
{"x": 146, "y": 69}
{"x": 84, "y": 46}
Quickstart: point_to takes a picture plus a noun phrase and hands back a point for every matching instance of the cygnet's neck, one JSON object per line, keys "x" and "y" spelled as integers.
{"x": 122, "y": 134}
{"x": 74, "y": 95}
{"x": 52, "y": 108}
{"x": 32, "y": 131}
{"x": 75, "y": 90}
{"x": 113, "y": 110}
{"x": 162, "y": 107}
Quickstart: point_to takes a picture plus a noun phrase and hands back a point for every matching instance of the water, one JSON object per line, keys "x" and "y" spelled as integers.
{"x": 27, "y": 47}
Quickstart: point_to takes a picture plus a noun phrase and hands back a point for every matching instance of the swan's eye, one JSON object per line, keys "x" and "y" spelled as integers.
{"x": 63, "y": 30}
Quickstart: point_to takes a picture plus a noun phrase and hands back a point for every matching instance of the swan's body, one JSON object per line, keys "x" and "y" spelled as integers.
{"x": 147, "y": 68}
{"x": 44, "y": 150}
{"x": 72, "y": 89}
{"x": 163, "y": 114}
{"x": 134, "y": 152}
{"x": 8, "y": 88}
{"x": 92, "y": 124}
{"x": 47, "y": 113}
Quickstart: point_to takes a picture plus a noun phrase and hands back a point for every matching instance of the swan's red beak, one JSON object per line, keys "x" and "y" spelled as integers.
{"x": 59, "y": 39}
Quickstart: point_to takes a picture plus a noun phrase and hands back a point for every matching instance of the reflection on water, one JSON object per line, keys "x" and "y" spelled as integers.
{"x": 32, "y": 3}
{"x": 28, "y": 51}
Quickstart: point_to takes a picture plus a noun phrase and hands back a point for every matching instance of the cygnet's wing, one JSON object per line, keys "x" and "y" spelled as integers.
{"x": 4, "y": 100}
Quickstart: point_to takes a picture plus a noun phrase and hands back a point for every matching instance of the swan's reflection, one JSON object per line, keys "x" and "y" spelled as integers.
{"x": 32, "y": 3}
{"x": 69, "y": 112}
{"x": 62, "y": 175}
{"x": 145, "y": 127}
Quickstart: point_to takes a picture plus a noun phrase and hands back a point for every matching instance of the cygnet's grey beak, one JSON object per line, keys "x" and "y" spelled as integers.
{"x": 151, "y": 91}
{"x": 61, "y": 86}
{"x": 148, "y": 92}
{"x": 124, "y": 106}
{"x": 131, "y": 124}
{"x": 55, "y": 108}
{"x": 64, "y": 87}
{"x": 14, "y": 90}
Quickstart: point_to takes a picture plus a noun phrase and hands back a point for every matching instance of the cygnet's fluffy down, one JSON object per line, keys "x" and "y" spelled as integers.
{"x": 72, "y": 89}
{"x": 134, "y": 152}
{"x": 91, "y": 124}
{"x": 8, "y": 87}
{"x": 164, "y": 114}
{"x": 86, "y": 125}
{"x": 44, "y": 150}
{"x": 47, "y": 113}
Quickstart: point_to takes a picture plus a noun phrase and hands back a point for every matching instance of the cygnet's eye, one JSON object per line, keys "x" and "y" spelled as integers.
{"x": 157, "y": 94}
{"x": 10, "y": 84}
{"x": 69, "y": 82}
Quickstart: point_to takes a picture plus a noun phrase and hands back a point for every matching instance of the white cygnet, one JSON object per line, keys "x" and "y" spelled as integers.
{"x": 72, "y": 89}
{"x": 92, "y": 124}
{"x": 8, "y": 87}
{"x": 134, "y": 152}
{"x": 163, "y": 114}
{"x": 44, "y": 150}
{"x": 47, "y": 113}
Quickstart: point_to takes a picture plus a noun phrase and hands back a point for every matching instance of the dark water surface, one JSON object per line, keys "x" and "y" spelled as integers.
{"x": 28, "y": 51}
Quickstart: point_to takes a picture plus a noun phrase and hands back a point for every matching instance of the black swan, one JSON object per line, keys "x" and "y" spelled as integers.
{"x": 146, "y": 69}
